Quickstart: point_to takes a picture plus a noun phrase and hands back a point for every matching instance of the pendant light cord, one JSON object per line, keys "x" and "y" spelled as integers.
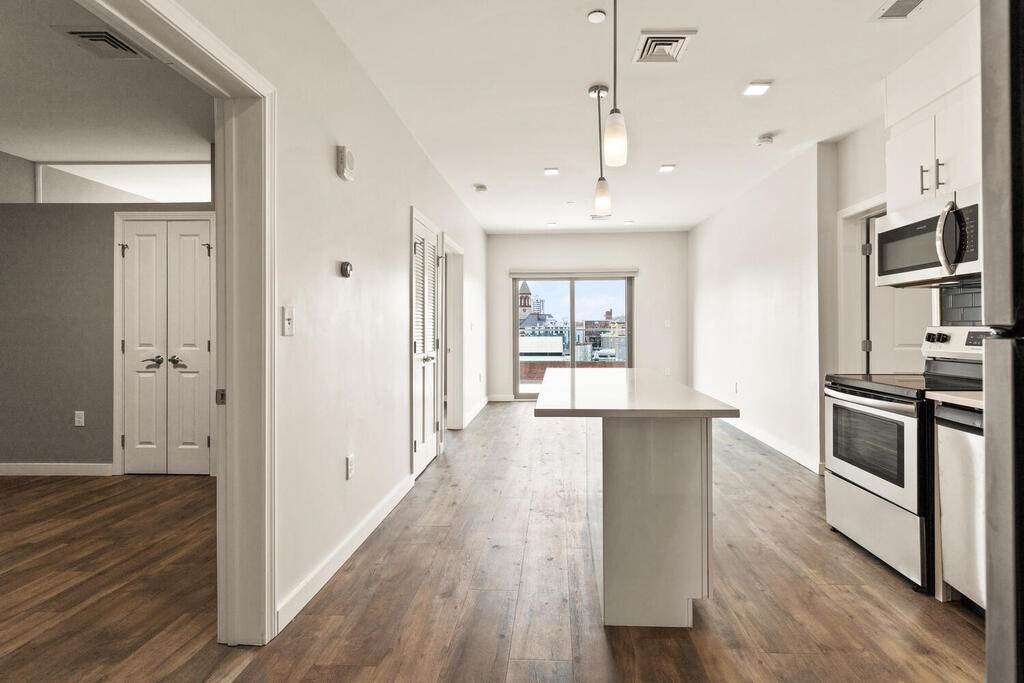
{"x": 615, "y": 54}
{"x": 600, "y": 135}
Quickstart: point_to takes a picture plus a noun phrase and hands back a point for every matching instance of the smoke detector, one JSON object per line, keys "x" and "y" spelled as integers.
{"x": 101, "y": 41}
{"x": 897, "y": 9}
{"x": 662, "y": 46}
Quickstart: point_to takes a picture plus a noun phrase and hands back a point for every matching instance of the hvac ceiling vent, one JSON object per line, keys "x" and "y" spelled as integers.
{"x": 662, "y": 46}
{"x": 101, "y": 41}
{"x": 897, "y": 9}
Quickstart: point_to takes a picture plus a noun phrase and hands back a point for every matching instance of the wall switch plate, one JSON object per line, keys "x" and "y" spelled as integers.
{"x": 288, "y": 321}
{"x": 79, "y": 418}
{"x": 350, "y": 466}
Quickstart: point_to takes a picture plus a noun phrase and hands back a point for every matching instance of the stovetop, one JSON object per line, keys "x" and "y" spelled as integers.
{"x": 908, "y": 385}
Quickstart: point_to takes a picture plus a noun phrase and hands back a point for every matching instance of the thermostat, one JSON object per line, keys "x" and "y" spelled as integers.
{"x": 346, "y": 163}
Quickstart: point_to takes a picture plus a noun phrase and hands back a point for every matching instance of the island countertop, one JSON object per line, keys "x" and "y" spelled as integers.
{"x": 622, "y": 392}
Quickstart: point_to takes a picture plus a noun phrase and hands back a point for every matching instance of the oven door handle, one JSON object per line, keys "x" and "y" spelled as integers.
{"x": 891, "y": 406}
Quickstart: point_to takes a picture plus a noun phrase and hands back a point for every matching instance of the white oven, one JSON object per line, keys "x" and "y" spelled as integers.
{"x": 872, "y": 441}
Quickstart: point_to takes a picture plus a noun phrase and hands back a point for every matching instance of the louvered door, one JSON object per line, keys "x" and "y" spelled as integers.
{"x": 425, "y": 420}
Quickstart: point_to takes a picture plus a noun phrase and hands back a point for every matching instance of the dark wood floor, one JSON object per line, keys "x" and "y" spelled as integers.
{"x": 482, "y": 573}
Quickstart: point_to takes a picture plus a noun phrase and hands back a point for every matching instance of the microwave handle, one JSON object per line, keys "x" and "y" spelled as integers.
{"x": 940, "y": 248}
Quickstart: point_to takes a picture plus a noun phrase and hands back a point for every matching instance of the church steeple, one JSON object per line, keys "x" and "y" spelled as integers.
{"x": 525, "y": 301}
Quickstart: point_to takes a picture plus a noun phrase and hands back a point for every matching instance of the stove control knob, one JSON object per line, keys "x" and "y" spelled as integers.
{"x": 930, "y": 337}
{"x": 942, "y": 337}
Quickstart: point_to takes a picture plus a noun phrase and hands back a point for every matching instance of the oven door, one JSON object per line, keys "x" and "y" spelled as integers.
{"x": 873, "y": 442}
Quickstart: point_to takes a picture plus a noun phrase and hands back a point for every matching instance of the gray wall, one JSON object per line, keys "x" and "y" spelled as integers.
{"x": 17, "y": 179}
{"x": 56, "y": 329}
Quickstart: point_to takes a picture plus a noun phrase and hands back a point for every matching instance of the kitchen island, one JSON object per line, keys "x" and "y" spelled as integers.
{"x": 648, "y": 487}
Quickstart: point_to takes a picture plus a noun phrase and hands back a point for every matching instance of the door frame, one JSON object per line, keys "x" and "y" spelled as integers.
{"x": 119, "y": 219}
{"x": 245, "y": 171}
{"x": 453, "y": 341}
{"x": 415, "y": 215}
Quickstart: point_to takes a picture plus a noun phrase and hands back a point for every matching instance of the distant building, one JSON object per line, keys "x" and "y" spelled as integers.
{"x": 525, "y": 302}
{"x": 538, "y": 305}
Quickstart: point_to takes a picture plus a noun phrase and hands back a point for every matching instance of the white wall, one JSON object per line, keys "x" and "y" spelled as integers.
{"x": 17, "y": 179}
{"x": 343, "y": 379}
{"x": 861, "y": 161}
{"x": 659, "y": 294}
{"x": 755, "y": 302}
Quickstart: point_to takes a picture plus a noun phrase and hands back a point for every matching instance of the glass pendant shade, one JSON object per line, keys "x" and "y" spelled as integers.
{"x": 602, "y": 198}
{"x": 615, "y": 144}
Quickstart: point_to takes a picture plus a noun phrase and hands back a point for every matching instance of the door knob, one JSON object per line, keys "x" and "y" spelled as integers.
{"x": 159, "y": 360}
{"x": 175, "y": 361}
{"x": 428, "y": 359}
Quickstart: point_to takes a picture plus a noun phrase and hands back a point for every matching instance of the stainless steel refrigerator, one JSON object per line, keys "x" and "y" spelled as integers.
{"x": 1002, "y": 44}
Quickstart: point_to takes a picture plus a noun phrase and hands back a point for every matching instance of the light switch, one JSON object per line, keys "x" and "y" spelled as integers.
{"x": 288, "y": 321}
{"x": 79, "y": 418}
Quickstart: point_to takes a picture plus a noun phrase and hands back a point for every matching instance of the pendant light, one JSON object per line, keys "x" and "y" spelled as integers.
{"x": 615, "y": 143}
{"x": 602, "y": 193}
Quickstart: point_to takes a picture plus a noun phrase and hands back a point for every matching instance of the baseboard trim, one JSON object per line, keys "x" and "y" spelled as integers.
{"x": 55, "y": 469}
{"x": 468, "y": 420}
{"x": 288, "y": 608}
{"x": 501, "y": 398}
{"x": 790, "y": 451}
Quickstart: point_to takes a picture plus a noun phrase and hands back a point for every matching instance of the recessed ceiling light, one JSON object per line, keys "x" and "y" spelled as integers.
{"x": 480, "y": 187}
{"x": 757, "y": 88}
{"x": 596, "y": 16}
{"x": 766, "y": 139}
{"x": 570, "y": 203}
{"x": 627, "y": 222}
{"x": 666, "y": 168}
{"x": 550, "y": 171}
{"x": 552, "y": 224}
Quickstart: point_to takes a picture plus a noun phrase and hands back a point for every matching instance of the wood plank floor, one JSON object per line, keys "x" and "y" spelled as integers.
{"x": 482, "y": 573}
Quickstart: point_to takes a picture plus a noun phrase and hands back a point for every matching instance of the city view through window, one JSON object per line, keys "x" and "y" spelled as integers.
{"x": 570, "y": 323}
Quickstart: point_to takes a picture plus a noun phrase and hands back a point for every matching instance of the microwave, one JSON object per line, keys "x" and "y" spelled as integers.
{"x": 930, "y": 243}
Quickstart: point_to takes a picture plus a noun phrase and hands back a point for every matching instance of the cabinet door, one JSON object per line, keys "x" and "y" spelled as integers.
{"x": 958, "y": 140}
{"x": 911, "y": 148}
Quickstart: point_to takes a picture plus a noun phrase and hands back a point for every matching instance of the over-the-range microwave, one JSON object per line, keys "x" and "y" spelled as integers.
{"x": 930, "y": 243}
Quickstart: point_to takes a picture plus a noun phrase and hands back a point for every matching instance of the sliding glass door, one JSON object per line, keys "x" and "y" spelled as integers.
{"x": 574, "y": 322}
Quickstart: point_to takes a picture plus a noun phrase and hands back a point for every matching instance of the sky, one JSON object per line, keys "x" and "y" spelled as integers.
{"x": 593, "y": 297}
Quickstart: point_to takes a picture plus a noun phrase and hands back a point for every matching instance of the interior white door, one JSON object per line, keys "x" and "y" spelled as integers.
{"x": 189, "y": 261}
{"x": 898, "y": 318}
{"x": 167, "y": 319}
{"x": 425, "y": 345}
{"x": 145, "y": 351}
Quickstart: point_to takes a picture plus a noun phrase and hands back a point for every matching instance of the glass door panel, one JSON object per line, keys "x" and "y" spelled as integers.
{"x": 544, "y": 334}
{"x": 602, "y": 323}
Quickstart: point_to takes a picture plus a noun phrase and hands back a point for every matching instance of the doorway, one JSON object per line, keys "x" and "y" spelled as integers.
{"x": 164, "y": 351}
{"x": 583, "y": 321}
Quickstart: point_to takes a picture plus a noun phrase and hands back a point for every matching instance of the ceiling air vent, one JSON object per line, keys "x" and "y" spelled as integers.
{"x": 897, "y": 9}
{"x": 101, "y": 41}
{"x": 662, "y": 46}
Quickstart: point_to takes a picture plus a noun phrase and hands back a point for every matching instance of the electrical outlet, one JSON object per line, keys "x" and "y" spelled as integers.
{"x": 79, "y": 418}
{"x": 668, "y": 323}
{"x": 668, "y": 372}
{"x": 350, "y": 466}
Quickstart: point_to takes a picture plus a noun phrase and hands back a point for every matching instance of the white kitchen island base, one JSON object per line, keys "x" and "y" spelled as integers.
{"x": 648, "y": 488}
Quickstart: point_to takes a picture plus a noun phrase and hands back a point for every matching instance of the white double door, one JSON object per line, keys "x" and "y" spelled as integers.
{"x": 167, "y": 345}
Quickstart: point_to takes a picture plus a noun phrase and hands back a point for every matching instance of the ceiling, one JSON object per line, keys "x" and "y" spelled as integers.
{"x": 63, "y": 103}
{"x": 496, "y": 92}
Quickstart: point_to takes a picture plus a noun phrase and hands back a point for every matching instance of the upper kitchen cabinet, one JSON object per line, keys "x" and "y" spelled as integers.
{"x": 937, "y": 150}
{"x": 933, "y": 116}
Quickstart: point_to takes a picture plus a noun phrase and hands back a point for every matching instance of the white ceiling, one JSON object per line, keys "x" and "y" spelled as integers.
{"x": 166, "y": 183}
{"x": 60, "y": 102}
{"x": 495, "y": 92}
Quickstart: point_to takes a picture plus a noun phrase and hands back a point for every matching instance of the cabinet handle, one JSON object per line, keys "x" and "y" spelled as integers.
{"x": 938, "y": 165}
{"x": 921, "y": 179}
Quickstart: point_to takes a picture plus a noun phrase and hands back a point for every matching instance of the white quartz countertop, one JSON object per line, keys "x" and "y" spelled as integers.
{"x": 622, "y": 392}
{"x": 970, "y": 399}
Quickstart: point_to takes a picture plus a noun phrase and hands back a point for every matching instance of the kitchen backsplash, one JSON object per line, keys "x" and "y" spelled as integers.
{"x": 961, "y": 304}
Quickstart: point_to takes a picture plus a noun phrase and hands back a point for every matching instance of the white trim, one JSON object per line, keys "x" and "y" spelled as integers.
{"x": 318, "y": 578}
{"x": 864, "y": 208}
{"x": 119, "y": 219}
{"x": 583, "y": 273}
{"x": 474, "y": 411}
{"x": 55, "y": 469}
